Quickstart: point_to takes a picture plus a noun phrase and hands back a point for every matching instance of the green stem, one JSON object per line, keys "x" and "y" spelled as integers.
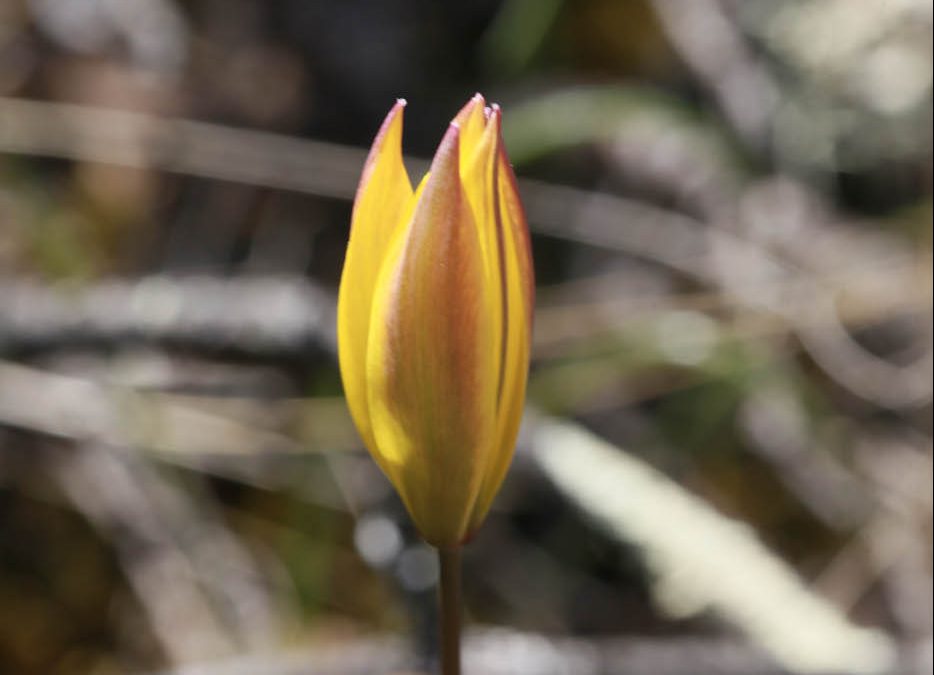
{"x": 450, "y": 560}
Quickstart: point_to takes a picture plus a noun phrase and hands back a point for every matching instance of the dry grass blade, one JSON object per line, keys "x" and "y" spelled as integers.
{"x": 704, "y": 561}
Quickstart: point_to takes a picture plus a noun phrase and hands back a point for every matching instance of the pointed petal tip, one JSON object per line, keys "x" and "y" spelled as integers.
{"x": 495, "y": 118}
{"x": 448, "y": 150}
{"x": 464, "y": 114}
{"x": 388, "y": 141}
{"x": 452, "y": 138}
{"x": 397, "y": 110}
{"x": 393, "y": 117}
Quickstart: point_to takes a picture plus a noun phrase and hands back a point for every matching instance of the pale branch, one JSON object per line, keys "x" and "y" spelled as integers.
{"x": 701, "y": 560}
{"x": 266, "y": 315}
{"x": 715, "y": 51}
{"x": 114, "y": 492}
{"x": 506, "y": 652}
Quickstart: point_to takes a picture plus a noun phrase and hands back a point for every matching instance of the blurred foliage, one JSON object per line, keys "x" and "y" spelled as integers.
{"x": 731, "y": 214}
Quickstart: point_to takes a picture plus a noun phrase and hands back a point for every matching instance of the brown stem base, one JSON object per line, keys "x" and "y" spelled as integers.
{"x": 450, "y": 614}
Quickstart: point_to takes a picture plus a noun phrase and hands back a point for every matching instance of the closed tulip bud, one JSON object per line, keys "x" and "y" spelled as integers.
{"x": 434, "y": 320}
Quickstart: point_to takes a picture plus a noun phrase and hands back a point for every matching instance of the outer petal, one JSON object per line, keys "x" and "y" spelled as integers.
{"x": 519, "y": 294}
{"x": 383, "y": 201}
{"x": 432, "y": 387}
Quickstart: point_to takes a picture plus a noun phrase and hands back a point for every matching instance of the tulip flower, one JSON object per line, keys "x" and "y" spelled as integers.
{"x": 434, "y": 320}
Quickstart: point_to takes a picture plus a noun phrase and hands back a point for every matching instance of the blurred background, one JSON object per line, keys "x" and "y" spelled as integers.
{"x": 726, "y": 461}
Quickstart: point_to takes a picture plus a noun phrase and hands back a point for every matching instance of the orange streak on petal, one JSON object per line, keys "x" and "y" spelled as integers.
{"x": 429, "y": 366}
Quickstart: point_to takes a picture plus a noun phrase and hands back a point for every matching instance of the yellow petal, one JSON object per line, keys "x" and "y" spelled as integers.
{"x": 432, "y": 387}
{"x": 519, "y": 291}
{"x": 478, "y": 176}
{"x": 383, "y": 202}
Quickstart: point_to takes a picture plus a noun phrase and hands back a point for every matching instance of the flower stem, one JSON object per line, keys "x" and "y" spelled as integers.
{"x": 450, "y": 560}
